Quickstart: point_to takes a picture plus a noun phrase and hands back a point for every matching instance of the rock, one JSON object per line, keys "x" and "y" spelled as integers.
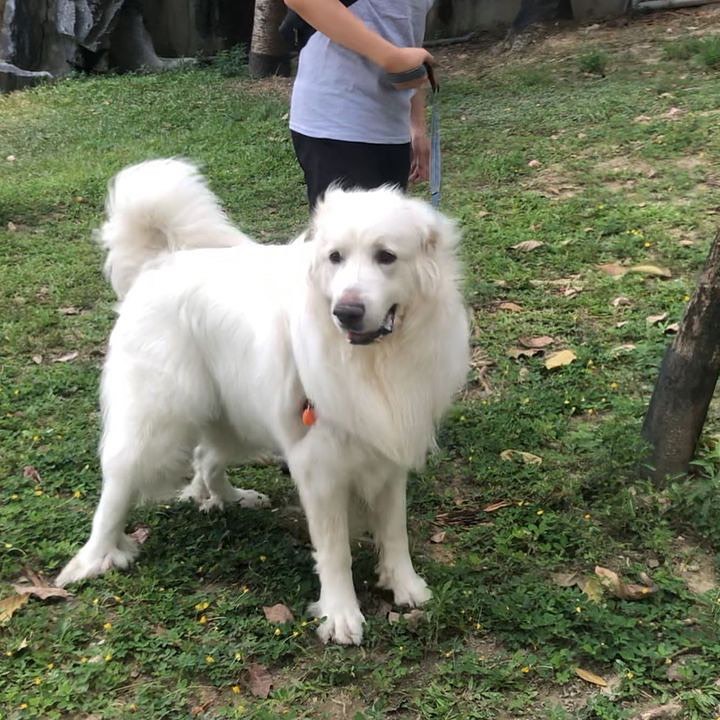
{"x": 15, "y": 78}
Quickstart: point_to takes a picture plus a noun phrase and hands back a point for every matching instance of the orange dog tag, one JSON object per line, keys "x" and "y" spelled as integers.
{"x": 308, "y": 414}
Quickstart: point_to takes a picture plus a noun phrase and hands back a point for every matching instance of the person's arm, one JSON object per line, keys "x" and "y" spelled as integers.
{"x": 335, "y": 21}
{"x": 420, "y": 143}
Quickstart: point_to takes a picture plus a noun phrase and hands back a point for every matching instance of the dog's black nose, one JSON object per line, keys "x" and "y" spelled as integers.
{"x": 350, "y": 315}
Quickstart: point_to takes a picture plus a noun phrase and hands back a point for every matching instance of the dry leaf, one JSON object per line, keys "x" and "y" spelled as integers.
{"x": 10, "y": 605}
{"x": 516, "y": 352}
{"x": 499, "y": 505}
{"x": 37, "y": 359}
{"x": 566, "y": 580}
{"x": 526, "y": 457}
{"x": 625, "y": 591}
{"x": 278, "y": 614}
{"x": 140, "y": 534}
{"x": 535, "y": 343}
{"x": 510, "y": 307}
{"x": 259, "y": 680}
{"x": 674, "y": 112}
{"x": 528, "y": 245}
{"x": 660, "y": 712}
{"x": 627, "y": 347}
{"x": 438, "y": 537}
{"x": 560, "y": 359}
{"x": 534, "y": 164}
{"x": 672, "y": 329}
{"x": 68, "y": 357}
{"x": 592, "y": 587}
{"x": 29, "y": 471}
{"x": 11, "y": 226}
{"x": 621, "y": 300}
{"x": 651, "y": 270}
{"x": 43, "y": 591}
{"x": 656, "y": 319}
{"x": 68, "y": 311}
{"x": 622, "y": 323}
{"x": 613, "y": 269}
{"x": 642, "y": 119}
{"x": 590, "y": 677}
{"x": 687, "y": 243}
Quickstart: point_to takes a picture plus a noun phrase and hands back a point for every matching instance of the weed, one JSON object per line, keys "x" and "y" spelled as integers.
{"x": 593, "y": 62}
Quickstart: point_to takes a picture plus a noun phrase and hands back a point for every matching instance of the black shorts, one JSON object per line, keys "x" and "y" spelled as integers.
{"x": 349, "y": 164}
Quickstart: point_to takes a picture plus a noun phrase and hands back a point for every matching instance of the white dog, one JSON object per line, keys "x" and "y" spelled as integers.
{"x": 221, "y": 343}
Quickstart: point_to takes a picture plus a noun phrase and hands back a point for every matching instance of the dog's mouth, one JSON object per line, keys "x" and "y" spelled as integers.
{"x": 365, "y": 338}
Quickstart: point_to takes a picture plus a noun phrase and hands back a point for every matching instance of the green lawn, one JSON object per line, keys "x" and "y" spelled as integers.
{"x": 622, "y": 124}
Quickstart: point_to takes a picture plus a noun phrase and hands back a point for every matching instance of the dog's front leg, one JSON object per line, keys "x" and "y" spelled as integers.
{"x": 389, "y": 526}
{"x": 325, "y": 494}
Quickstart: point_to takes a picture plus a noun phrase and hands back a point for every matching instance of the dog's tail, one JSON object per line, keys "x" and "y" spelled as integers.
{"x": 158, "y": 207}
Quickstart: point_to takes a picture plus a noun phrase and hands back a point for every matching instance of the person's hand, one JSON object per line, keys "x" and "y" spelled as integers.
{"x": 420, "y": 157}
{"x": 401, "y": 60}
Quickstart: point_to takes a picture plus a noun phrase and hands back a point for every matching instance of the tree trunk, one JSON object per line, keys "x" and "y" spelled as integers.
{"x": 687, "y": 379}
{"x": 268, "y": 54}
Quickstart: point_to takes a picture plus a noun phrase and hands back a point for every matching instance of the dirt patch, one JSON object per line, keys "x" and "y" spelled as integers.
{"x": 695, "y": 566}
{"x": 554, "y": 183}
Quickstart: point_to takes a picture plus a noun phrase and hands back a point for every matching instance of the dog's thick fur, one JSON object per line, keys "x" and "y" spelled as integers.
{"x": 220, "y": 341}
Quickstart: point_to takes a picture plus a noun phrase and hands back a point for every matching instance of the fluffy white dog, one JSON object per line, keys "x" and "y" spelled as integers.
{"x": 221, "y": 343}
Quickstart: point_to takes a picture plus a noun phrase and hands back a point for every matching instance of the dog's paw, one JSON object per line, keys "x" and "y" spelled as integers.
{"x": 341, "y": 625}
{"x": 249, "y": 499}
{"x": 91, "y": 563}
{"x": 408, "y": 588}
{"x": 196, "y": 493}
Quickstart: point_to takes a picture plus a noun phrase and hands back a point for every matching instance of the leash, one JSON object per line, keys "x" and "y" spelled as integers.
{"x": 399, "y": 79}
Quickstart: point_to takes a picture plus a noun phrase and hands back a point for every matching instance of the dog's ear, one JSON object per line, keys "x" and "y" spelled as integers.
{"x": 440, "y": 232}
{"x": 439, "y": 239}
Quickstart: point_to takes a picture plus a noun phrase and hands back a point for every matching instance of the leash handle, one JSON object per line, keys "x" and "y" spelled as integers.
{"x": 435, "y": 151}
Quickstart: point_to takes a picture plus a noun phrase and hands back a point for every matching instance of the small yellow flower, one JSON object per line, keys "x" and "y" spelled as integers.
{"x": 540, "y": 512}
{"x": 526, "y": 669}
{"x": 209, "y": 659}
{"x": 8, "y": 545}
{"x": 263, "y": 558}
{"x": 202, "y": 606}
{"x": 22, "y": 706}
{"x": 117, "y": 598}
{"x": 107, "y": 626}
{"x": 203, "y": 620}
{"x": 77, "y": 494}
{"x": 448, "y": 653}
{"x": 238, "y": 656}
{"x": 8, "y": 653}
{"x": 50, "y": 666}
{"x": 38, "y": 492}
{"x": 278, "y": 632}
{"x": 132, "y": 707}
{"x": 295, "y": 633}
{"x": 686, "y": 298}
{"x": 614, "y": 386}
{"x": 647, "y": 244}
{"x": 236, "y": 689}
{"x": 245, "y": 589}
{"x": 587, "y": 516}
{"x": 96, "y": 601}
{"x": 578, "y": 609}
{"x": 108, "y": 657}
{"x": 83, "y": 660}
{"x": 14, "y": 496}
{"x": 37, "y": 681}
{"x": 629, "y": 675}
{"x": 478, "y": 626}
{"x": 304, "y": 622}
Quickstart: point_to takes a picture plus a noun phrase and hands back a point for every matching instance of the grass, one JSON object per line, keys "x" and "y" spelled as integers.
{"x": 617, "y": 180}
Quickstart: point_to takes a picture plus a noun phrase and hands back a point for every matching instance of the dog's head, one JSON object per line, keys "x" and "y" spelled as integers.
{"x": 377, "y": 254}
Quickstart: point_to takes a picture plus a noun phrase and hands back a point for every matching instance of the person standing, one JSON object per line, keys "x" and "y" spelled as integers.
{"x": 349, "y": 124}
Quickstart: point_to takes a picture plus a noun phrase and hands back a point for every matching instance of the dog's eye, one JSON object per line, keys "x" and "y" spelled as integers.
{"x": 335, "y": 257}
{"x": 385, "y": 257}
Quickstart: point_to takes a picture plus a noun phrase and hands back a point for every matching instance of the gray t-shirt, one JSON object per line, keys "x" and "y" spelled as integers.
{"x": 340, "y": 95}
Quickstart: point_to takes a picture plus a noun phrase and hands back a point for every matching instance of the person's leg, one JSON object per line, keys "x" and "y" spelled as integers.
{"x": 349, "y": 164}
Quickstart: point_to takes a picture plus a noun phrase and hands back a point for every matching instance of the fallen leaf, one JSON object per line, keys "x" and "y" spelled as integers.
{"x": 622, "y": 323}
{"x": 526, "y": 457}
{"x": 590, "y": 677}
{"x": 651, "y": 270}
{"x": 68, "y": 357}
{"x": 625, "y": 591}
{"x": 660, "y": 712}
{"x": 613, "y": 269}
{"x": 11, "y": 158}
{"x": 29, "y": 471}
{"x": 566, "y": 580}
{"x": 393, "y": 617}
{"x": 560, "y": 359}
{"x": 278, "y": 614}
{"x": 516, "y": 352}
{"x": 10, "y": 605}
{"x": 438, "y": 537}
{"x": 140, "y": 534}
{"x": 11, "y": 226}
{"x": 674, "y": 112}
{"x": 414, "y": 617}
{"x": 534, "y": 164}
{"x": 672, "y": 329}
{"x": 483, "y": 213}
{"x": 68, "y": 311}
{"x": 22, "y": 645}
{"x": 656, "y": 319}
{"x": 627, "y": 347}
{"x": 642, "y": 119}
{"x": 592, "y": 587}
{"x": 41, "y": 591}
{"x": 499, "y": 505}
{"x": 259, "y": 680}
{"x": 528, "y": 245}
{"x": 37, "y": 359}
{"x": 510, "y": 307}
{"x": 687, "y": 243}
{"x": 621, "y": 300}
{"x": 535, "y": 343}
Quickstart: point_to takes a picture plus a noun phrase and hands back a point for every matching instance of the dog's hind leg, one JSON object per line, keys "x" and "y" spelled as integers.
{"x": 210, "y": 487}
{"x": 388, "y": 517}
